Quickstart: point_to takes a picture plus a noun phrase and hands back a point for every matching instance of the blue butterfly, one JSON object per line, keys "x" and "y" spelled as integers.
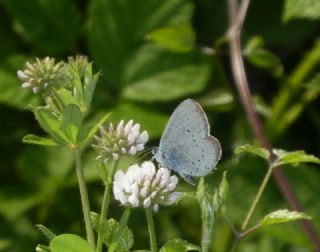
{"x": 186, "y": 145}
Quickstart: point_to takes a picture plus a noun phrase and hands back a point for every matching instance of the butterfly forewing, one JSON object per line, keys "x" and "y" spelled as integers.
{"x": 187, "y": 121}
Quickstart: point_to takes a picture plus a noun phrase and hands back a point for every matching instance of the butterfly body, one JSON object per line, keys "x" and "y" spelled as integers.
{"x": 186, "y": 145}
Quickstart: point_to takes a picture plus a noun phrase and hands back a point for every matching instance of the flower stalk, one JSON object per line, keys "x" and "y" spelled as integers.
{"x": 105, "y": 205}
{"x": 84, "y": 198}
{"x": 152, "y": 234}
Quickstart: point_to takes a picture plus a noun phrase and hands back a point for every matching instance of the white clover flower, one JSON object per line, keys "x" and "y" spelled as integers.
{"x": 42, "y": 74}
{"x": 112, "y": 142}
{"x": 144, "y": 186}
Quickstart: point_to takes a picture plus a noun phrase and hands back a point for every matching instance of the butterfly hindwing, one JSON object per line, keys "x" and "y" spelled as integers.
{"x": 194, "y": 156}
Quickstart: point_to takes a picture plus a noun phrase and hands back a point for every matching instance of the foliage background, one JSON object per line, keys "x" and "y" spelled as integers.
{"x": 145, "y": 74}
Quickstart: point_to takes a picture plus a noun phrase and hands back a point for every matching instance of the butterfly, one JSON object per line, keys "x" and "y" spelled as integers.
{"x": 186, "y": 145}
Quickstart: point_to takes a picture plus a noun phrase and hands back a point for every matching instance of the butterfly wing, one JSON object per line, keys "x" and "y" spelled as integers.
{"x": 193, "y": 156}
{"x": 187, "y": 121}
{"x": 186, "y": 146}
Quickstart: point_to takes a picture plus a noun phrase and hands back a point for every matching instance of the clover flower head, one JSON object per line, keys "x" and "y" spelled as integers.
{"x": 42, "y": 74}
{"x": 112, "y": 142}
{"x": 145, "y": 186}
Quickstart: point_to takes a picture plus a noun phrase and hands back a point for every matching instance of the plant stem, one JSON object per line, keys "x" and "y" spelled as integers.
{"x": 236, "y": 18}
{"x": 257, "y": 198}
{"x": 84, "y": 198}
{"x": 250, "y": 230}
{"x": 152, "y": 234}
{"x": 105, "y": 206}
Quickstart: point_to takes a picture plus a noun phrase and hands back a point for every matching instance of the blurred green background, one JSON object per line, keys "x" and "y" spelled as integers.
{"x": 153, "y": 54}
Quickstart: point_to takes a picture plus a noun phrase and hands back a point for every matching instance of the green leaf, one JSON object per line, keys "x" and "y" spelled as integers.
{"x": 281, "y": 216}
{"x": 179, "y": 38}
{"x": 86, "y": 133}
{"x": 178, "y": 245}
{"x": 261, "y": 152}
{"x": 254, "y": 43}
{"x": 67, "y": 97}
{"x": 294, "y": 157}
{"x": 48, "y": 233}
{"x": 223, "y": 190}
{"x": 45, "y": 168}
{"x": 71, "y": 122}
{"x": 314, "y": 83}
{"x": 261, "y": 106}
{"x": 117, "y": 31}
{"x": 301, "y": 9}
{"x": 220, "y": 100}
{"x": 89, "y": 85}
{"x": 157, "y": 75}
{"x": 70, "y": 243}
{"x": 200, "y": 190}
{"x": 264, "y": 59}
{"x": 50, "y": 26}
{"x": 33, "y": 139}
{"x": 50, "y": 124}
{"x": 110, "y": 227}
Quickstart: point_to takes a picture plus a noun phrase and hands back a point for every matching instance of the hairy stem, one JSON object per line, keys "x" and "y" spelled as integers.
{"x": 105, "y": 206}
{"x": 152, "y": 234}
{"x": 84, "y": 198}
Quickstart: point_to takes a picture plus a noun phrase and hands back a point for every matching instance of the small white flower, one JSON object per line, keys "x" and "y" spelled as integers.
{"x": 112, "y": 142}
{"x": 144, "y": 186}
{"x": 143, "y": 138}
{"x": 132, "y": 150}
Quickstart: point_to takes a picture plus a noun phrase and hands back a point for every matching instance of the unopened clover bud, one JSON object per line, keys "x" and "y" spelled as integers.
{"x": 42, "y": 74}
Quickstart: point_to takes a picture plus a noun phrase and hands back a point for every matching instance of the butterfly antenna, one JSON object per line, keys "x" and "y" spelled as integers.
{"x": 144, "y": 153}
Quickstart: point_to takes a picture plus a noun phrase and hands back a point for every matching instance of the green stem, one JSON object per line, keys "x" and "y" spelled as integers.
{"x": 84, "y": 198}
{"x": 250, "y": 230}
{"x": 105, "y": 206}
{"x": 257, "y": 198}
{"x": 152, "y": 234}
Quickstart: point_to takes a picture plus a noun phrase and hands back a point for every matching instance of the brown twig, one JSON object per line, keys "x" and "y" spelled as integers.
{"x": 236, "y": 18}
